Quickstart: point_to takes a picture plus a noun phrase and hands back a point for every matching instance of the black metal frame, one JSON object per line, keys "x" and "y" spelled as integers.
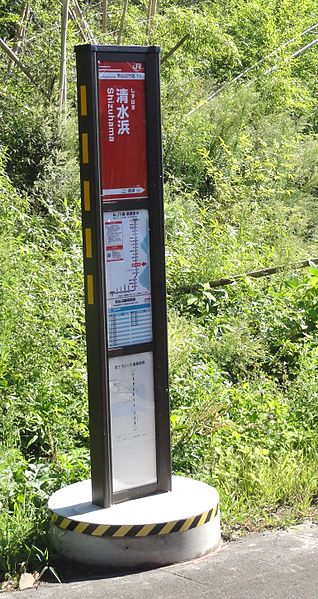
{"x": 95, "y": 306}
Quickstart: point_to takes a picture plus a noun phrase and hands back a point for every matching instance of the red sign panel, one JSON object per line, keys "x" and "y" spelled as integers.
{"x": 122, "y": 117}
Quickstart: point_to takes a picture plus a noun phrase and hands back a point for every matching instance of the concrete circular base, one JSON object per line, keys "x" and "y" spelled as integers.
{"x": 153, "y": 531}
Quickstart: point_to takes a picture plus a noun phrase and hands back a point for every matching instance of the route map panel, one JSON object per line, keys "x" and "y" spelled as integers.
{"x": 127, "y": 261}
{"x": 132, "y": 407}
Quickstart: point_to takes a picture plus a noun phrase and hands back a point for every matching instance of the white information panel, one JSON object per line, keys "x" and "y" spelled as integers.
{"x": 126, "y": 236}
{"x": 132, "y": 408}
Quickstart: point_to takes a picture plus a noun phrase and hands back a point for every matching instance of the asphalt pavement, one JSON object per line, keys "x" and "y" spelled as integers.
{"x": 270, "y": 565}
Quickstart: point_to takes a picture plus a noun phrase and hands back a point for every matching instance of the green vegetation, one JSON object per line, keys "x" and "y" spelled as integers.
{"x": 241, "y": 177}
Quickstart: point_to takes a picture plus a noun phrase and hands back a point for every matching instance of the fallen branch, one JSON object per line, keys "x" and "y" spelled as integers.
{"x": 254, "y": 274}
{"x": 174, "y": 49}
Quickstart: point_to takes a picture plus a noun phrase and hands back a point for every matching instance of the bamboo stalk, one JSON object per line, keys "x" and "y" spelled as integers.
{"x": 78, "y": 24}
{"x": 152, "y": 7}
{"x": 104, "y": 20}
{"x": 20, "y": 33}
{"x": 148, "y": 17}
{"x": 63, "y": 75}
{"x": 21, "y": 66}
{"x": 27, "y": 15}
{"x": 122, "y": 22}
{"x": 153, "y": 13}
{"x": 81, "y": 18}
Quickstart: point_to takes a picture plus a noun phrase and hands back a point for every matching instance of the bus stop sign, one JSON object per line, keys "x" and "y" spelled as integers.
{"x": 124, "y": 270}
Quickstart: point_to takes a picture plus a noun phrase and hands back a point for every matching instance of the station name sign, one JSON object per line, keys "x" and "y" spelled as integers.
{"x": 122, "y": 114}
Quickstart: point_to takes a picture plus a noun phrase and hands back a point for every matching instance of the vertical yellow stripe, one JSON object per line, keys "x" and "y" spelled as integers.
{"x": 88, "y": 243}
{"x": 85, "y": 148}
{"x": 83, "y": 97}
{"x": 90, "y": 289}
{"x": 87, "y": 196}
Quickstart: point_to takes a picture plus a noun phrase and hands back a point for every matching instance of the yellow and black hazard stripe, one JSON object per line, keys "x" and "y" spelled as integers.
{"x": 136, "y": 531}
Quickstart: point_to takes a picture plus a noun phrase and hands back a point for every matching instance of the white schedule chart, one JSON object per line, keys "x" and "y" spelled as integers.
{"x": 127, "y": 262}
{"x": 132, "y": 408}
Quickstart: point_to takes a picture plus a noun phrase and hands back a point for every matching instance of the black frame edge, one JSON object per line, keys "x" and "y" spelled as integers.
{"x": 99, "y": 418}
